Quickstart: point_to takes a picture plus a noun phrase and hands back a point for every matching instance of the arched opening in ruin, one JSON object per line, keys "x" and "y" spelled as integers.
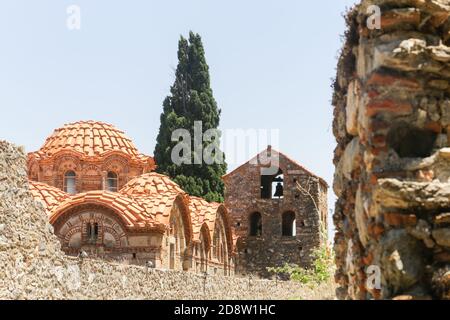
{"x": 411, "y": 142}
{"x": 272, "y": 186}
{"x": 289, "y": 224}
{"x": 255, "y": 224}
{"x": 203, "y": 248}
{"x": 178, "y": 242}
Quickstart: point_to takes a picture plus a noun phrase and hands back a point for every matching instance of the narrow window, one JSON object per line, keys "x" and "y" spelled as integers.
{"x": 89, "y": 231}
{"x": 172, "y": 256}
{"x": 112, "y": 181}
{"x": 95, "y": 234}
{"x": 288, "y": 224}
{"x": 266, "y": 187}
{"x": 92, "y": 231}
{"x": 255, "y": 224}
{"x": 70, "y": 182}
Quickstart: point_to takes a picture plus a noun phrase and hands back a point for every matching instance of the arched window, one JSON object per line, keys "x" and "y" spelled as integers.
{"x": 255, "y": 224}
{"x": 203, "y": 248}
{"x": 112, "y": 182}
{"x": 288, "y": 224}
{"x": 92, "y": 231}
{"x": 70, "y": 182}
{"x": 177, "y": 241}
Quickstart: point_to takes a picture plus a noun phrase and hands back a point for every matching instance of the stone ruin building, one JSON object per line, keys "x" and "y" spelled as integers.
{"x": 278, "y": 211}
{"x": 103, "y": 199}
{"x": 392, "y": 125}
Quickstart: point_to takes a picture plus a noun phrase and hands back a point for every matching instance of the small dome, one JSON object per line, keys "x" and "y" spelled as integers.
{"x": 151, "y": 184}
{"x": 89, "y": 138}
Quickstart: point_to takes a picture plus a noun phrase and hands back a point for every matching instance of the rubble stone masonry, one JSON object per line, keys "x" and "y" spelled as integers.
{"x": 271, "y": 247}
{"x": 392, "y": 126}
{"x": 32, "y": 266}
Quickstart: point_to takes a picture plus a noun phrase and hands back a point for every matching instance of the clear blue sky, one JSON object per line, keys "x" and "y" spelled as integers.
{"x": 271, "y": 65}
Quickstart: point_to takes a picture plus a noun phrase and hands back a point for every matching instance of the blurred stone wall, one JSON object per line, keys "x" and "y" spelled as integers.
{"x": 392, "y": 126}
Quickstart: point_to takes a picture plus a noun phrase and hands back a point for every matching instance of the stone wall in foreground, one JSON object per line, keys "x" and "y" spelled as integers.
{"x": 392, "y": 125}
{"x": 33, "y": 267}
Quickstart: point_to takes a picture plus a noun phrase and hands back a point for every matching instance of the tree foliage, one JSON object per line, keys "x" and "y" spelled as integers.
{"x": 191, "y": 99}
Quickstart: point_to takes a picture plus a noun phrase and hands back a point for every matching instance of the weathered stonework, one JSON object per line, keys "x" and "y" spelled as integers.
{"x": 392, "y": 106}
{"x": 32, "y": 266}
{"x": 308, "y": 206}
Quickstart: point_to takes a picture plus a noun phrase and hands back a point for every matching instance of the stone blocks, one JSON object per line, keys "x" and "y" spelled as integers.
{"x": 392, "y": 166}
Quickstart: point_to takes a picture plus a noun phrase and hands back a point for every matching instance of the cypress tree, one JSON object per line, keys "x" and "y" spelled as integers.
{"x": 190, "y": 100}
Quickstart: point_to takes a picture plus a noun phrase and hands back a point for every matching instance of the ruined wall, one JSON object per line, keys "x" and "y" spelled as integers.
{"x": 392, "y": 125}
{"x": 32, "y": 266}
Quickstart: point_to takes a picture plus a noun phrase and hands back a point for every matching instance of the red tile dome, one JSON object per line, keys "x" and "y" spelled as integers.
{"x": 89, "y": 138}
{"x": 151, "y": 184}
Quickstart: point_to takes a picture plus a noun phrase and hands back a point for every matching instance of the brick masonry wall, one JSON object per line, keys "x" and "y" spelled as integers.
{"x": 32, "y": 266}
{"x": 391, "y": 122}
{"x": 271, "y": 249}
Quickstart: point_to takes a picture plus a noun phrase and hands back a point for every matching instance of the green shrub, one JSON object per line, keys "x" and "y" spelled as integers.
{"x": 321, "y": 270}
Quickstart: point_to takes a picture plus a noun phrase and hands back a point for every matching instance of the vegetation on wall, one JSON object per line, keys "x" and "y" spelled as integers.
{"x": 321, "y": 271}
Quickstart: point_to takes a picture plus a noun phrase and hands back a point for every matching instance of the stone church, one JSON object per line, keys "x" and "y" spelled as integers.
{"x": 279, "y": 212}
{"x": 104, "y": 199}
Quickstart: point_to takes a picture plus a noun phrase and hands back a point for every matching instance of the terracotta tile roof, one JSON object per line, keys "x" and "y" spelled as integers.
{"x": 145, "y": 202}
{"x": 156, "y": 193}
{"x": 90, "y": 139}
{"x": 203, "y": 212}
{"x": 151, "y": 184}
{"x": 50, "y": 197}
{"x": 158, "y": 207}
{"x": 132, "y": 213}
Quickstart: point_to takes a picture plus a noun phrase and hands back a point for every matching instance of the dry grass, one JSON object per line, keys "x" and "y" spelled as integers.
{"x": 323, "y": 291}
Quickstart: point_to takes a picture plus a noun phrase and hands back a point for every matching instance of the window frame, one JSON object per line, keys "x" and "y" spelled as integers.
{"x": 255, "y": 227}
{"x": 71, "y": 177}
{"x": 287, "y": 217}
{"x": 268, "y": 185}
{"x": 114, "y": 180}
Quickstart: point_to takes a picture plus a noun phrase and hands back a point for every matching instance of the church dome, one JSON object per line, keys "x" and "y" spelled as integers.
{"x": 151, "y": 184}
{"x": 90, "y": 138}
